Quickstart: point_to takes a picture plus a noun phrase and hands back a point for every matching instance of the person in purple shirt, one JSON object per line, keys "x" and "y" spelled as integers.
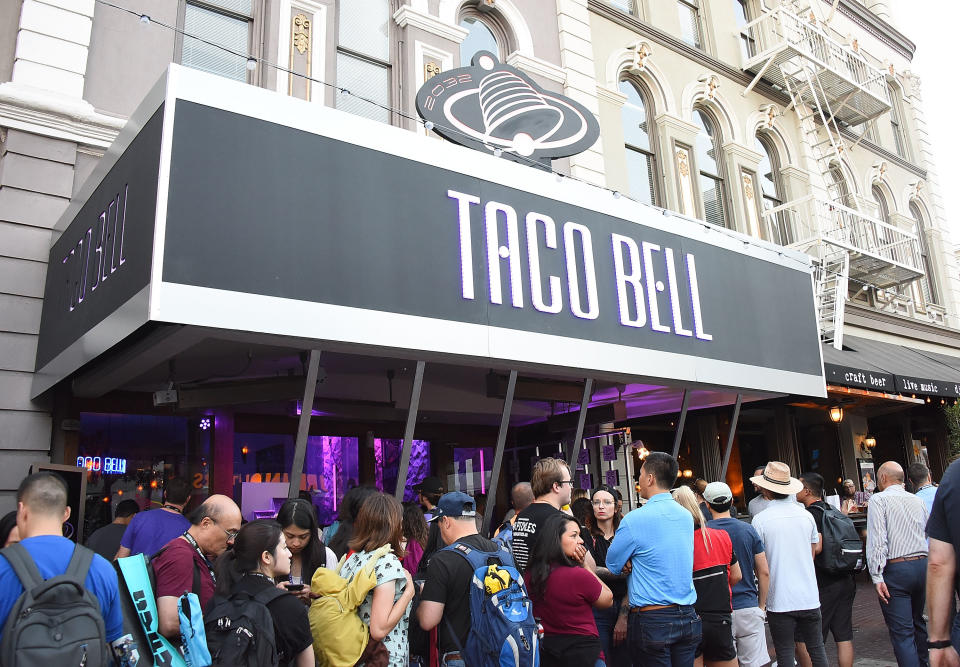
{"x": 149, "y": 531}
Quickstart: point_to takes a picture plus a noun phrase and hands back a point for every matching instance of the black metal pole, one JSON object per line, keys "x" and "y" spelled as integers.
{"x": 498, "y": 453}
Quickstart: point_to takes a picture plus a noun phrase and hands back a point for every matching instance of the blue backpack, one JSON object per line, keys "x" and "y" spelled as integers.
{"x": 503, "y": 632}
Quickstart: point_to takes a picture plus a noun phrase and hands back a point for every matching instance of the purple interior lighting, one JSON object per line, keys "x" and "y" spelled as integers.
{"x": 387, "y": 455}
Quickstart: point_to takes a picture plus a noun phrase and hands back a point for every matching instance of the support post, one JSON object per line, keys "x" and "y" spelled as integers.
{"x": 498, "y": 453}
{"x": 303, "y": 424}
{"x": 581, "y": 422}
{"x": 408, "y": 432}
{"x": 733, "y": 430}
{"x": 684, "y": 404}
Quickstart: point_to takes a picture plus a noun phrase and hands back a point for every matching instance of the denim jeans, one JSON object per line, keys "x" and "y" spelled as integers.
{"x": 452, "y": 662}
{"x": 664, "y": 637}
{"x": 789, "y": 627}
{"x": 906, "y": 582}
{"x": 616, "y": 656}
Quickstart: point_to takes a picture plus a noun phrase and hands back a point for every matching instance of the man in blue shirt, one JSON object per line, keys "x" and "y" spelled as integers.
{"x": 41, "y": 511}
{"x": 657, "y": 540}
{"x": 749, "y": 632}
{"x": 919, "y": 476}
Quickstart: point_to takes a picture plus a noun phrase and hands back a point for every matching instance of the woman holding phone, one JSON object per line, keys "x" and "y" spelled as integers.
{"x": 307, "y": 552}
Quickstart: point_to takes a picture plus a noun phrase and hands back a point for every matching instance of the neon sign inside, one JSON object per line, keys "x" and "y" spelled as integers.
{"x": 107, "y": 465}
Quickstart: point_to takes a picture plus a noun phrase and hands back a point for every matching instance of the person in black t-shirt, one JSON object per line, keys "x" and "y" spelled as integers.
{"x": 260, "y": 554}
{"x": 943, "y": 567}
{"x": 837, "y": 591}
{"x": 105, "y": 541}
{"x": 552, "y": 486}
{"x": 446, "y": 592}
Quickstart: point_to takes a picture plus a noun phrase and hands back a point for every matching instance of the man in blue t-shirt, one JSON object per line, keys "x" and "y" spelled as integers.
{"x": 149, "y": 532}
{"x": 41, "y": 511}
{"x": 750, "y": 594}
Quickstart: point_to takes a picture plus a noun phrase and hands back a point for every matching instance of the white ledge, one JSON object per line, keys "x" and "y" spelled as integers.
{"x": 41, "y": 112}
{"x": 406, "y": 15}
{"x": 534, "y": 65}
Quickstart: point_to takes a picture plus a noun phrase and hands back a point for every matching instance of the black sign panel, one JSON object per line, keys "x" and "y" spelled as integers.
{"x": 103, "y": 258}
{"x": 857, "y": 377}
{"x": 260, "y": 208}
{"x": 915, "y": 385}
{"x": 491, "y": 106}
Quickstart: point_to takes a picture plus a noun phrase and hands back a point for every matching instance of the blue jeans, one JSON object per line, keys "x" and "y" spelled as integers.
{"x": 452, "y": 662}
{"x": 664, "y": 637}
{"x": 616, "y": 656}
{"x": 906, "y": 582}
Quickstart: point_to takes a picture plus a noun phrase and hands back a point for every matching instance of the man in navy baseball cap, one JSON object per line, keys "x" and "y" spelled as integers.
{"x": 455, "y": 505}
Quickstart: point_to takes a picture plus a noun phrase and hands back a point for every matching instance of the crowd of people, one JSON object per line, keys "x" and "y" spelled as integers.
{"x": 678, "y": 581}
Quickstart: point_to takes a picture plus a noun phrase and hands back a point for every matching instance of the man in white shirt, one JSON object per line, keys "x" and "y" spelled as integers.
{"x": 790, "y": 536}
{"x": 897, "y": 558}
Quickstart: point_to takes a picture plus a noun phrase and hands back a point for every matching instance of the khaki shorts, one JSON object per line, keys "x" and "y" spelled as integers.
{"x": 750, "y": 637}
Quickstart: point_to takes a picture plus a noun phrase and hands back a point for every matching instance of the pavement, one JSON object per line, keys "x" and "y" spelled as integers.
{"x": 871, "y": 643}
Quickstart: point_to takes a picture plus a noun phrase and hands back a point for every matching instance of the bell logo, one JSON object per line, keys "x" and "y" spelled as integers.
{"x": 490, "y": 106}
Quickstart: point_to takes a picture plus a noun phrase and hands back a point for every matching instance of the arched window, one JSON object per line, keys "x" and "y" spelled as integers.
{"x": 484, "y": 35}
{"x": 928, "y": 284}
{"x": 837, "y": 187}
{"x": 771, "y": 190}
{"x": 883, "y": 212}
{"x": 707, "y": 152}
{"x": 885, "y": 238}
{"x": 896, "y": 123}
{"x": 641, "y": 157}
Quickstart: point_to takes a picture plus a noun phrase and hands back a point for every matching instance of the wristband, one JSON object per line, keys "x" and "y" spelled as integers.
{"x": 942, "y": 643}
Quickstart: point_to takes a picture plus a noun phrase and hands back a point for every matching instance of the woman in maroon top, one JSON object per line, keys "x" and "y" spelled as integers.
{"x": 715, "y": 570}
{"x": 564, "y": 594}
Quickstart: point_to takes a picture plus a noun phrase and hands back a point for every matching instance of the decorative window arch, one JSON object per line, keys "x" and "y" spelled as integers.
{"x": 488, "y": 31}
{"x": 709, "y": 166}
{"x": 839, "y": 186}
{"x": 639, "y": 137}
{"x": 771, "y": 189}
{"x": 928, "y": 284}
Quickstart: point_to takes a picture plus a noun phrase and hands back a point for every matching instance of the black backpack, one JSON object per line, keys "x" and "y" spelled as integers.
{"x": 842, "y": 551}
{"x": 55, "y": 621}
{"x": 240, "y": 629}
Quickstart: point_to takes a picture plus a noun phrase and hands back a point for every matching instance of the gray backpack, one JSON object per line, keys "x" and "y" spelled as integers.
{"x": 54, "y": 622}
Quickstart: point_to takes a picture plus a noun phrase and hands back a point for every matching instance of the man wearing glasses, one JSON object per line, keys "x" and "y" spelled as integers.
{"x": 552, "y": 485}
{"x": 186, "y": 562}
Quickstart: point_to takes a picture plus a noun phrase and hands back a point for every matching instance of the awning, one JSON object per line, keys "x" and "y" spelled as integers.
{"x": 891, "y": 368}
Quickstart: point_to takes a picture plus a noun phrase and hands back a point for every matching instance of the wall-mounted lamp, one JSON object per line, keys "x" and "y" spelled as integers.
{"x": 869, "y": 442}
{"x": 243, "y": 453}
{"x": 836, "y": 414}
{"x": 688, "y": 473}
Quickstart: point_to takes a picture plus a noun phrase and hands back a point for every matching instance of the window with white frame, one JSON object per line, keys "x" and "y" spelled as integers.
{"x": 691, "y": 26}
{"x": 217, "y": 36}
{"x": 363, "y": 58}
{"x": 896, "y": 124}
{"x": 742, "y": 15}
{"x": 628, "y": 6}
{"x": 641, "y": 158}
{"x": 707, "y": 155}
{"x": 768, "y": 173}
{"x": 928, "y": 286}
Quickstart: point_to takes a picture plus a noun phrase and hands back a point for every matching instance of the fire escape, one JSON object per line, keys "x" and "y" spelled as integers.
{"x": 829, "y": 84}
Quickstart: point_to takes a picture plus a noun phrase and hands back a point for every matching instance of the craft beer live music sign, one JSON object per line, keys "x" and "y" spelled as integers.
{"x": 256, "y": 212}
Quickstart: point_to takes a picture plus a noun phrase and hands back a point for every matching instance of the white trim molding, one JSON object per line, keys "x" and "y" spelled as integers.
{"x": 406, "y": 15}
{"x": 614, "y": 97}
{"x": 48, "y": 114}
{"x": 537, "y": 66}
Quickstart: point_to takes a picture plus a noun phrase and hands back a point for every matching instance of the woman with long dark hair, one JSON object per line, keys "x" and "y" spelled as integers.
{"x": 415, "y": 534}
{"x": 602, "y": 523}
{"x": 349, "y": 509}
{"x": 301, "y": 531}
{"x": 386, "y": 608}
{"x": 564, "y": 594}
{"x": 258, "y": 556}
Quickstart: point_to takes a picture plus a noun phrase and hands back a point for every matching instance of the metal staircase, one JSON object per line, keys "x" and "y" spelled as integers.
{"x": 829, "y": 84}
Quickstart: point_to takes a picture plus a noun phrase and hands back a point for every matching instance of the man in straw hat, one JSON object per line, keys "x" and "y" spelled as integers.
{"x": 790, "y": 536}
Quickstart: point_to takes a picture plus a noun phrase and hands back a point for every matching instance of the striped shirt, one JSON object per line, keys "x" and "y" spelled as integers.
{"x": 895, "y": 528}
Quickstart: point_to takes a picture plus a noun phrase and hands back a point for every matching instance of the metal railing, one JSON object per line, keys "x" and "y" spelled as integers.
{"x": 778, "y": 28}
{"x": 805, "y": 222}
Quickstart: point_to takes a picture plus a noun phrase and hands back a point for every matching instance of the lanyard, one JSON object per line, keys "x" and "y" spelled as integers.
{"x": 189, "y": 538}
{"x": 173, "y": 508}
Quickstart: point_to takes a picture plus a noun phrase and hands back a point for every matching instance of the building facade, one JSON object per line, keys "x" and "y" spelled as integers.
{"x": 799, "y": 125}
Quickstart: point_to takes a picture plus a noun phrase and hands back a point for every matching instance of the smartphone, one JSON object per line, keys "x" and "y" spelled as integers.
{"x": 294, "y": 587}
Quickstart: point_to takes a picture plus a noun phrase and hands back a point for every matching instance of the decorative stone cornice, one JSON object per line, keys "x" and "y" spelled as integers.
{"x": 50, "y": 115}
{"x": 876, "y": 26}
{"x": 537, "y": 66}
{"x": 406, "y": 15}
{"x": 744, "y": 153}
{"x": 612, "y": 96}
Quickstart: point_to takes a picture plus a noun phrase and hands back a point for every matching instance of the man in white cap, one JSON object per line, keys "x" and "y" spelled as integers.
{"x": 749, "y": 632}
{"x": 790, "y": 536}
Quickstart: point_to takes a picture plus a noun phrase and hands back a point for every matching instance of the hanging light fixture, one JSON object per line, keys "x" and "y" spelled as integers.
{"x": 836, "y": 414}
